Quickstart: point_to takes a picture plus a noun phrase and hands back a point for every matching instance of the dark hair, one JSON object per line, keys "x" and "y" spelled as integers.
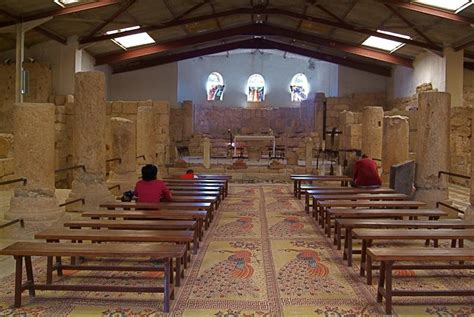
{"x": 189, "y": 172}
{"x": 364, "y": 156}
{"x": 149, "y": 172}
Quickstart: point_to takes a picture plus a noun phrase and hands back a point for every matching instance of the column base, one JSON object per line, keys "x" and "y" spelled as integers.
{"x": 93, "y": 194}
{"x": 39, "y": 210}
{"x": 431, "y": 196}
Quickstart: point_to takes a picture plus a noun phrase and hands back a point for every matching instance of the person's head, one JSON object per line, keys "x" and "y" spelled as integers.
{"x": 189, "y": 172}
{"x": 364, "y": 156}
{"x": 149, "y": 172}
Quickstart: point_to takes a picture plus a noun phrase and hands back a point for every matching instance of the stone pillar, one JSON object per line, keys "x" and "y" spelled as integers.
{"x": 206, "y": 144}
{"x": 188, "y": 122}
{"x": 89, "y": 141}
{"x": 432, "y": 146}
{"x": 469, "y": 213}
{"x": 124, "y": 147}
{"x": 395, "y": 148}
{"x": 372, "y": 130}
{"x": 146, "y": 135}
{"x": 33, "y": 128}
{"x": 163, "y": 113}
{"x": 319, "y": 100}
{"x": 309, "y": 154}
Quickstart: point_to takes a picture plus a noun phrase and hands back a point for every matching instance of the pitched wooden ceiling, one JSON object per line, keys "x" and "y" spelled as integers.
{"x": 324, "y": 29}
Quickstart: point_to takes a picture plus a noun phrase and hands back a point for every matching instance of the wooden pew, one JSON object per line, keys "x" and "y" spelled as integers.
{"x": 179, "y": 188}
{"x": 317, "y": 190}
{"x": 297, "y": 180}
{"x": 354, "y": 197}
{"x": 204, "y": 182}
{"x": 388, "y": 256}
{"x": 198, "y": 199}
{"x": 197, "y": 215}
{"x": 348, "y": 224}
{"x": 172, "y": 236}
{"x": 326, "y": 205}
{"x": 368, "y": 236}
{"x": 178, "y": 194}
{"x": 156, "y": 252}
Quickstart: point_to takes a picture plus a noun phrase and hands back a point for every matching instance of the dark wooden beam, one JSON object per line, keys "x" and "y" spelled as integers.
{"x": 407, "y": 22}
{"x": 63, "y": 11}
{"x": 252, "y": 30}
{"x": 267, "y": 11}
{"x": 469, "y": 65}
{"x": 255, "y": 44}
{"x": 431, "y": 11}
{"x": 124, "y": 7}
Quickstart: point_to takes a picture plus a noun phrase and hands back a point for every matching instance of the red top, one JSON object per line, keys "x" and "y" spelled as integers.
{"x": 152, "y": 191}
{"x": 366, "y": 174}
{"x": 187, "y": 176}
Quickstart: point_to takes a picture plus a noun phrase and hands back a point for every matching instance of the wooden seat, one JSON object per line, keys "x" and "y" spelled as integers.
{"x": 298, "y": 179}
{"x": 190, "y": 187}
{"x": 388, "y": 256}
{"x": 157, "y": 253}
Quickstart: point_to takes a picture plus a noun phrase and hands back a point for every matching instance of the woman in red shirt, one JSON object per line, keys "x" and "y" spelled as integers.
{"x": 149, "y": 189}
{"x": 366, "y": 174}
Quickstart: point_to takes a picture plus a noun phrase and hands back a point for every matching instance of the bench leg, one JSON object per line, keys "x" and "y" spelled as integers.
{"x": 388, "y": 287}
{"x": 49, "y": 270}
{"x": 349, "y": 248}
{"x": 381, "y": 282}
{"x": 306, "y": 202}
{"x": 178, "y": 271}
{"x": 166, "y": 292}
{"x": 344, "y": 252}
{"x": 338, "y": 236}
{"x": 29, "y": 276}
{"x": 18, "y": 280}
{"x": 59, "y": 266}
{"x": 363, "y": 253}
{"x": 369, "y": 270}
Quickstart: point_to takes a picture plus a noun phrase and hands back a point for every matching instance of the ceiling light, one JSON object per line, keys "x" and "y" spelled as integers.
{"x": 131, "y": 40}
{"x": 385, "y": 44}
{"x": 450, "y": 5}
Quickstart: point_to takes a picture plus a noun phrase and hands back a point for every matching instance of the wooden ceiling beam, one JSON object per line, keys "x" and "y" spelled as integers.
{"x": 64, "y": 11}
{"x": 430, "y": 11}
{"x": 252, "y": 30}
{"x": 256, "y": 44}
{"x": 266, "y": 11}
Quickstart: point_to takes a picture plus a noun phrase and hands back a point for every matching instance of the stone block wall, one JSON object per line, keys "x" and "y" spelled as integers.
{"x": 40, "y": 88}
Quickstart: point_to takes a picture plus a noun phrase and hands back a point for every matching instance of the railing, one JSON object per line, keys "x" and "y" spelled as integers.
{"x": 118, "y": 159}
{"x": 453, "y": 174}
{"x": 73, "y": 201}
{"x": 440, "y": 203}
{"x": 115, "y": 186}
{"x": 70, "y": 168}
{"x": 17, "y": 180}
{"x": 141, "y": 156}
{"x": 22, "y": 223}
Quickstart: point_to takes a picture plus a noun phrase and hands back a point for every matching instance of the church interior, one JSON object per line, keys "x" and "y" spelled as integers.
{"x": 258, "y": 115}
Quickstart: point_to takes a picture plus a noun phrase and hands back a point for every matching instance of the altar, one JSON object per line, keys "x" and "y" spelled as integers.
{"x": 254, "y": 138}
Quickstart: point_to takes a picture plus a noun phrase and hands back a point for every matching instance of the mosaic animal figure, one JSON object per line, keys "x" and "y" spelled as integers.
{"x": 302, "y": 275}
{"x": 289, "y": 226}
{"x": 242, "y": 226}
{"x": 232, "y": 276}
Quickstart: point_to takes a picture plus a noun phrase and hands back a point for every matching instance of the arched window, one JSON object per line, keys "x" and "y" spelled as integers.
{"x": 299, "y": 87}
{"x": 256, "y": 88}
{"x": 215, "y": 87}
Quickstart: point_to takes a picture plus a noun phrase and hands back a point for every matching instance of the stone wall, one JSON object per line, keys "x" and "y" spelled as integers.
{"x": 39, "y": 89}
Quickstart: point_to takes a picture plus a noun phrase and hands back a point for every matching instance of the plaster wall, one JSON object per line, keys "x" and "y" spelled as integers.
{"x": 354, "y": 81}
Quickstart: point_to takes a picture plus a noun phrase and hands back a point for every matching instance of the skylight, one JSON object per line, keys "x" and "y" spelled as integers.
{"x": 64, "y": 3}
{"x": 131, "y": 40}
{"x": 450, "y": 5}
{"x": 385, "y": 44}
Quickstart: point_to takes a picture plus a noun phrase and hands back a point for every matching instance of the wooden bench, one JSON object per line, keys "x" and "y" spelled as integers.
{"x": 354, "y": 197}
{"x": 297, "y": 180}
{"x": 325, "y": 206}
{"x": 178, "y": 188}
{"x": 388, "y": 256}
{"x": 156, "y": 252}
{"x": 369, "y": 235}
{"x": 197, "y": 193}
{"x": 214, "y": 200}
{"x": 348, "y": 224}
{"x": 197, "y": 215}
{"x": 317, "y": 190}
{"x": 205, "y": 182}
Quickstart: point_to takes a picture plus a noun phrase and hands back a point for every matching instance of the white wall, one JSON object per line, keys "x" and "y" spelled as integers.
{"x": 468, "y": 78}
{"x": 237, "y": 67}
{"x": 156, "y": 83}
{"x": 427, "y": 68}
{"x": 352, "y": 81}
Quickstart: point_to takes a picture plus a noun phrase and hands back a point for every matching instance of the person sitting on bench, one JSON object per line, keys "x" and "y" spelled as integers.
{"x": 365, "y": 173}
{"x": 189, "y": 175}
{"x": 149, "y": 189}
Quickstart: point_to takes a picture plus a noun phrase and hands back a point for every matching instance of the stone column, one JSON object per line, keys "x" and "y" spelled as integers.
{"x": 89, "y": 141}
{"x": 146, "y": 135}
{"x": 395, "y": 148}
{"x": 309, "y": 154}
{"x": 33, "y": 128}
{"x": 163, "y": 112}
{"x": 469, "y": 213}
{"x": 206, "y": 144}
{"x": 123, "y": 147}
{"x": 432, "y": 146}
{"x": 188, "y": 112}
{"x": 372, "y": 130}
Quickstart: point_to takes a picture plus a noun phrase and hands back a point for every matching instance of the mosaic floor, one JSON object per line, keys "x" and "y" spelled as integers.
{"x": 262, "y": 257}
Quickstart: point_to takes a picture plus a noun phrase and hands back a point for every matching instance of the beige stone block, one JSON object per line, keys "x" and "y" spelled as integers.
{"x": 6, "y": 145}
{"x": 108, "y": 108}
{"x": 60, "y": 100}
{"x": 69, "y": 98}
{"x": 372, "y": 131}
{"x": 145, "y": 103}
{"x": 162, "y": 107}
{"x": 60, "y": 109}
{"x": 163, "y": 120}
{"x": 395, "y": 148}
{"x": 8, "y": 166}
{"x": 129, "y": 107}
{"x": 117, "y": 107}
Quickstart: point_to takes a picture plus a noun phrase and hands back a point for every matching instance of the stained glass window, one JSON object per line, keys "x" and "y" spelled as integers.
{"x": 299, "y": 87}
{"x": 256, "y": 88}
{"x": 215, "y": 87}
